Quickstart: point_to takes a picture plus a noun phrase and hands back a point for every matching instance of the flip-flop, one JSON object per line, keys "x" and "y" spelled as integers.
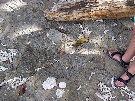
{"x": 121, "y": 62}
{"x": 124, "y": 81}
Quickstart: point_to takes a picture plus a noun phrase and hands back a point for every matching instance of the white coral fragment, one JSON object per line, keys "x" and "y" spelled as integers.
{"x": 106, "y": 94}
{"x": 112, "y": 83}
{"x": 79, "y": 87}
{"x": 7, "y": 55}
{"x": 39, "y": 69}
{"x": 3, "y": 55}
{"x": 105, "y": 31}
{"x": 84, "y": 30}
{"x": 91, "y": 75}
{"x": 49, "y": 83}
{"x": 3, "y": 68}
{"x": 59, "y": 93}
{"x": 16, "y": 81}
{"x": 62, "y": 85}
{"x": 11, "y": 54}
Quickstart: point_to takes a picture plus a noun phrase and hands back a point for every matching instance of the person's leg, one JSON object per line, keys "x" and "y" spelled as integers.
{"x": 130, "y": 52}
{"x": 127, "y": 57}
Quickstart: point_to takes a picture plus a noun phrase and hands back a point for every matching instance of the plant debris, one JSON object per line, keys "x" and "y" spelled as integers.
{"x": 22, "y": 90}
{"x": 79, "y": 42}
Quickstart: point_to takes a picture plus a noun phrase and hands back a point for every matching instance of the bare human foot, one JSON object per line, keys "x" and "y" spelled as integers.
{"x": 116, "y": 56}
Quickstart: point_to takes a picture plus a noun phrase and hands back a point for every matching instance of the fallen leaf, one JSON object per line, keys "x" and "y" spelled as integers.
{"x": 22, "y": 90}
{"x": 7, "y": 62}
{"x": 79, "y": 42}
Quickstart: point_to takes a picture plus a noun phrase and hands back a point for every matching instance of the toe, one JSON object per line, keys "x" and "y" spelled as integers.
{"x": 110, "y": 52}
{"x": 116, "y": 56}
{"x": 119, "y": 84}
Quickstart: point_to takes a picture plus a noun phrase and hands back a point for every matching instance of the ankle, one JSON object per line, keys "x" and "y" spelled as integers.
{"x": 125, "y": 59}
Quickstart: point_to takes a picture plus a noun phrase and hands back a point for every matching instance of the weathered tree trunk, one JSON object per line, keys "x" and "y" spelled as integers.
{"x": 91, "y": 10}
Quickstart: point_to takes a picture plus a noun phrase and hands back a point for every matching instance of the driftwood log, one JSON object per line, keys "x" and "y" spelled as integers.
{"x": 91, "y": 10}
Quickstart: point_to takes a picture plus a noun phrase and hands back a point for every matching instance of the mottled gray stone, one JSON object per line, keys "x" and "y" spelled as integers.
{"x": 3, "y": 1}
{"x": 26, "y": 30}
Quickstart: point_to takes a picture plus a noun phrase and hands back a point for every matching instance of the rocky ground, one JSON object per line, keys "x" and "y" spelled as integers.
{"x": 37, "y": 56}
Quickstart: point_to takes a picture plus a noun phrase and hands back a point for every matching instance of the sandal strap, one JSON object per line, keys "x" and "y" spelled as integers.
{"x": 114, "y": 53}
{"x": 129, "y": 75}
{"x": 122, "y": 63}
{"x": 123, "y": 81}
{"x": 126, "y": 81}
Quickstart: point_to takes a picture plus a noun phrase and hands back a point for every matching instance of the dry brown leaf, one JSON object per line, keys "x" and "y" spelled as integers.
{"x": 22, "y": 90}
{"x": 7, "y": 62}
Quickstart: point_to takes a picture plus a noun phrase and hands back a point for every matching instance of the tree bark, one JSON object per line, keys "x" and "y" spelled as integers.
{"x": 91, "y": 10}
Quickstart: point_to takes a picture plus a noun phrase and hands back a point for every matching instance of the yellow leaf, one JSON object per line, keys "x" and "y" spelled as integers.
{"x": 79, "y": 42}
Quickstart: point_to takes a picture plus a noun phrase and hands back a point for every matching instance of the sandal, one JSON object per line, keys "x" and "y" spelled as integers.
{"x": 121, "y": 62}
{"x": 124, "y": 81}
